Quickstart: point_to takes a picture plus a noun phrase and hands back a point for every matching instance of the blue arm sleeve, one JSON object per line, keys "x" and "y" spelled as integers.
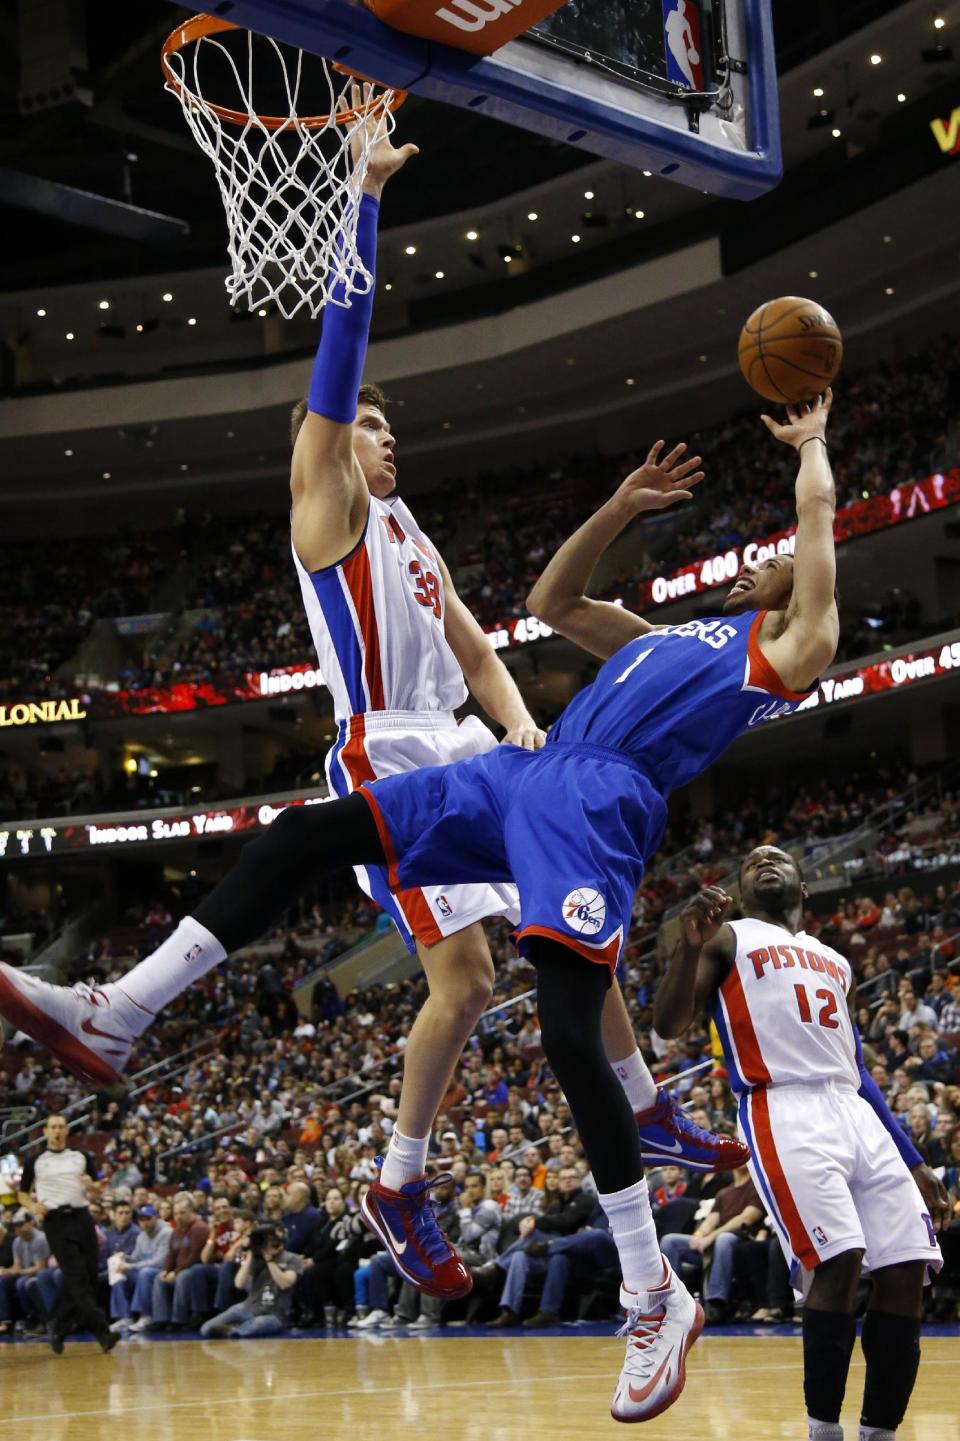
{"x": 338, "y": 368}
{"x": 873, "y": 1095}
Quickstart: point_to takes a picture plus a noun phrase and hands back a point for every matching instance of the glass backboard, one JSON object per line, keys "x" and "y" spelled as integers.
{"x": 684, "y": 88}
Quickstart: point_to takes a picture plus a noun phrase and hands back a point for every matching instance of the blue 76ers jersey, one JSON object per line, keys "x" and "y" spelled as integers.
{"x": 674, "y": 699}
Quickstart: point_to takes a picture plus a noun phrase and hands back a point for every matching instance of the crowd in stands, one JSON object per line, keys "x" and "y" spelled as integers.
{"x": 256, "y": 1146}
{"x": 242, "y": 594}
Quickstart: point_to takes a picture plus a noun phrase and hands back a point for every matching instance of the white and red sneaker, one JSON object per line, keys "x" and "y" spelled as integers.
{"x": 82, "y": 1026}
{"x": 661, "y": 1326}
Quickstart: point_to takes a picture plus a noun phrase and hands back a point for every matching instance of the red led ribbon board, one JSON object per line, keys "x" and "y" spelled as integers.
{"x": 864, "y": 517}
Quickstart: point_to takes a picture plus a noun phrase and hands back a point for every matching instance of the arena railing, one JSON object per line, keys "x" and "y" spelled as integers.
{"x": 77, "y": 1109}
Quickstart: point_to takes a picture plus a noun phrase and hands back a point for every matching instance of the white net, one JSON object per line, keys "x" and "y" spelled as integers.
{"x": 290, "y": 184}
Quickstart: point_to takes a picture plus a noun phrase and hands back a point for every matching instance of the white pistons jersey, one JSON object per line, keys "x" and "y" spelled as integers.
{"x": 377, "y": 621}
{"x": 781, "y": 1010}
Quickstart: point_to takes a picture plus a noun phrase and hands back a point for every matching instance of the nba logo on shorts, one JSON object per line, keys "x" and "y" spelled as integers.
{"x": 585, "y": 910}
{"x": 444, "y": 906}
{"x": 820, "y": 1235}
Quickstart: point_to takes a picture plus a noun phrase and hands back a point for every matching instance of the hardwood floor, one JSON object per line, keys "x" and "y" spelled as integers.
{"x": 460, "y": 1388}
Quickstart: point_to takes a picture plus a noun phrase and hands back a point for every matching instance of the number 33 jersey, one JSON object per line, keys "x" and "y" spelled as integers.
{"x": 781, "y": 1010}
{"x": 377, "y": 620}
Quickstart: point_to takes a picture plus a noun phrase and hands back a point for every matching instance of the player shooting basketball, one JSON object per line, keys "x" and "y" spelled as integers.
{"x": 573, "y": 824}
{"x": 830, "y": 1160}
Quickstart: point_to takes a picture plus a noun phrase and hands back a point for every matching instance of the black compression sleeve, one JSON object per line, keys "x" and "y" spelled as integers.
{"x": 570, "y": 996}
{"x": 303, "y": 843}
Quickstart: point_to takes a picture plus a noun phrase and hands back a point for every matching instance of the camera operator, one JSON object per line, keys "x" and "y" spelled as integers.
{"x": 268, "y": 1273}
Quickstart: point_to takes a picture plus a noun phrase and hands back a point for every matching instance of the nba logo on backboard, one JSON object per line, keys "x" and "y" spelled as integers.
{"x": 681, "y": 33}
{"x": 585, "y": 910}
{"x": 820, "y": 1235}
{"x": 444, "y": 906}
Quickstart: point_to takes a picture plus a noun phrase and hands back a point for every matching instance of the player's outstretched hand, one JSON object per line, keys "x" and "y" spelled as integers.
{"x": 935, "y": 1196}
{"x": 385, "y": 158}
{"x": 527, "y": 735}
{"x": 703, "y": 916}
{"x": 660, "y": 482}
{"x": 804, "y": 422}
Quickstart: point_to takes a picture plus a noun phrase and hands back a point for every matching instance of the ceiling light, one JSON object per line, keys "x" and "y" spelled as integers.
{"x": 262, "y": 311}
{"x": 702, "y": 359}
{"x": 389, "y": 285}
{"x": 532, "y": 215}
{"x": 68, "y": 452}
{"x": 192, "y": 320}
{"x": 817, "y": 91}
{"x": 813, "y": 274}
{"x": 588, "y": 195}
{"x": 41, "y": 312}
{"x": 69, "y": 335}
{"x": 139, "y": 328}
{"x": 446, "y": 425}
{"x": 507, "y": 259}
{"x": 648, "y": 173}
{"x": 231, "y": 434}
{"x": 106, "y": 475}
{"x": 835, "y": 133}
{"x": 938, "y": 22}
{"x": 473, "y": 235}
{"x": 409, "y": 250}
{"x": 104, "y": 305}
{"x": 888, "y": 290}
{"x": 184, "y": 466}
{"x": 575, "y": 239}
{"x": 438, "y": 275}
{"x": 167, "y": 295}
{"x": 570, "y": 360}
{"x": 887, "y": 239}
{"x": 876, "y": 59}
{"x": 638, "y": 215}
{"x": 630, "y": 380}
{"x": 901, "y": 97}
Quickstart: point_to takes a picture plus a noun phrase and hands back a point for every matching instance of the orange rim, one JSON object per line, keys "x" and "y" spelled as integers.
{"x": 199, "y": 27}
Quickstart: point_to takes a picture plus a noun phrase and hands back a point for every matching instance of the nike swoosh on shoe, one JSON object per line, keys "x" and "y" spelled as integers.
{"x": 644, "y": 1391}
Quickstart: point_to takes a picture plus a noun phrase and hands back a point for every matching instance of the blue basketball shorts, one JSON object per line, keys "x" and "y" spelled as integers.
{"x": 572, "y": 825}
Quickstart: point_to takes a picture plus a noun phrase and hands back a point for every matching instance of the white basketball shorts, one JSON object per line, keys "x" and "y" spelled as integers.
{"x": 833, "y": 1180}
{"x": 388, "y": 743}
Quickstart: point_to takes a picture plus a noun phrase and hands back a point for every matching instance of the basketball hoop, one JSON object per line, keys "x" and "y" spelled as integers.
{"x": 290, "y": 183}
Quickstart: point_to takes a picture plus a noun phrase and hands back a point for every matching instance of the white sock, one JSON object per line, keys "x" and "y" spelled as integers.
{"x": 635, "y": 1078}
{"x": 406, "y": 1160}
{"x": 182, "y": 959}
{"x": 631, "y": 1225}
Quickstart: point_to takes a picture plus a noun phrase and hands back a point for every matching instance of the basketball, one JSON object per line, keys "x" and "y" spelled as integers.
{"x": 790, "y": 350}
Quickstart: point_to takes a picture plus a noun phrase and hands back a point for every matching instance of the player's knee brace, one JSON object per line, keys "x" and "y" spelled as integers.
{"x": 891, "y": 1345}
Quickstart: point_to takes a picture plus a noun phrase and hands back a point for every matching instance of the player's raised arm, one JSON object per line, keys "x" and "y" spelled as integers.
{"x": 700, "y": 961}
{"x": 330, "y": 497}
{"x": 808, "y": 641}
{"x": 559, "y": 597}
{"x": 486, "y": 675}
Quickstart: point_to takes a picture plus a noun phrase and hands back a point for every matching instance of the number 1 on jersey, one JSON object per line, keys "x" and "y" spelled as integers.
{"x": 633, "y": 665}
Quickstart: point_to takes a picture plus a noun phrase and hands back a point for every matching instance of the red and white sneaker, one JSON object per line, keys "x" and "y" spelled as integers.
{"x": 669, "y": 1138}
{"x": 661, "y": 1326}
{"x": 82, "y": 1026}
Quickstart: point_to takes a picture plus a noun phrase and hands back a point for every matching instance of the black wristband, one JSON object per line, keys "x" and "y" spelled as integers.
{"x": 808, "y": 440}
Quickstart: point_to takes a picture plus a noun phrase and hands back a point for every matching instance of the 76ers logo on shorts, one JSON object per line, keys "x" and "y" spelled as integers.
{"x": 585, "y": 911}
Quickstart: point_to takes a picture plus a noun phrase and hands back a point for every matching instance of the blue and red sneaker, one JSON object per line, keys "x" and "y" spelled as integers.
{"x": 669, "y": 1138}
{"x": 406, "y": 1223}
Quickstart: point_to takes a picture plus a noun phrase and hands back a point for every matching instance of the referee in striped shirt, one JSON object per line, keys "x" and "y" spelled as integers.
{"x": 64, "y": 1182}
